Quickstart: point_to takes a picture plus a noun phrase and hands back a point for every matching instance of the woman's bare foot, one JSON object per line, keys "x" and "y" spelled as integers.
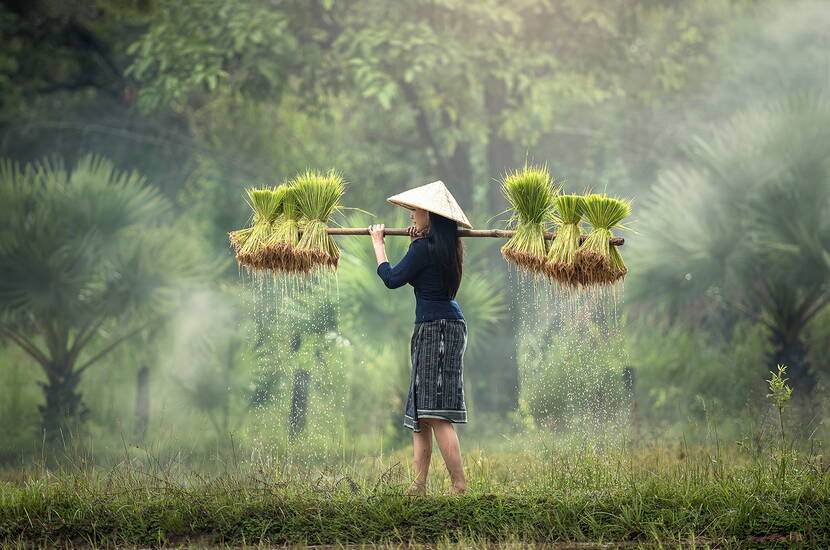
{"x": 457, "y": 489}
{"x": 418, "y": 489}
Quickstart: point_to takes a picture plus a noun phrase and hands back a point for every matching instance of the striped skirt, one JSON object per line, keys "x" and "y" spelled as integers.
{"x": 436, "y": 384}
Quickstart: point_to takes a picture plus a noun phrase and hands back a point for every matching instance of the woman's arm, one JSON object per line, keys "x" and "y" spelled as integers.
{"x": 407, "y": 268}
{"x": 376, "y": 232}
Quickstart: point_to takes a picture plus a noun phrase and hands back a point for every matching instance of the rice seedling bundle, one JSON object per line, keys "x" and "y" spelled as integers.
{"x": 282, "y": 245}
{"x": 265, "y": 204}
{"x": 596, "y": 261}
{"x": 317, "y": 195}
{"x": 560, "y": 259}
{"x": 531, "y": 194}
{"x": 239, "y": 237}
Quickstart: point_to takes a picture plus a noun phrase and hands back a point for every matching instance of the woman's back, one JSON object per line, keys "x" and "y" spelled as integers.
{"x": 419, "y": 268}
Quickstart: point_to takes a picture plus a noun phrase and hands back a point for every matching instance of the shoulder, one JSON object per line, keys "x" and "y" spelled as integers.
{"x": 419, "y": 248}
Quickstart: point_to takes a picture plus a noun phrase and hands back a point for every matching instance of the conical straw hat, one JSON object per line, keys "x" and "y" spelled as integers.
{"x": 432, "y": 197}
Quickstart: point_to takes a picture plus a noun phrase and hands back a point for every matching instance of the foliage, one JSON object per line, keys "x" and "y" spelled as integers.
{"x": 55, "y": 47}
{"x": 255, "y": 47}
{"x": 472, "y": 78}
{"x": 727, "y": 230}
{"x": 686, "y": 378}
{"x": 396, "y": 94}
{"x": 779, "y": 394}
{"x": 86, "y": 263}
{"x": 779, "y": 391}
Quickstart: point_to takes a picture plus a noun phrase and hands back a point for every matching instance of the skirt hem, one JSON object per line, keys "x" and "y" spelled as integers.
{"x": 461, "y": 418}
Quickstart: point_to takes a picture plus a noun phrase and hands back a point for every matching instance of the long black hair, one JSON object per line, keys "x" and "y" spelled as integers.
{"x": 445, "y": 247}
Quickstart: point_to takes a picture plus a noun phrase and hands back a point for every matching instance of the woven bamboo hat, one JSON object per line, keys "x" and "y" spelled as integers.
{"x": 432, "y": 197}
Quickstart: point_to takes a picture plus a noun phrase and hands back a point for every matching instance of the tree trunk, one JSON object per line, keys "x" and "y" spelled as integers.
{"x": 64, "y": 410}
{"x": 299, "y": 403}
{"x": 788, "y": 349}
{"x": 500, "y": 152}
{"x": 142, "y": 402}
{"x": 462, "y": 176}
{"x": 503, "y": 352}
{"x": 299, "y": 394}
{"x": 630, "y": 394}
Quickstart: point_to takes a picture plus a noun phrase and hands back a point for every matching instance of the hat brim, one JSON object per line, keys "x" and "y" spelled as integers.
{"x": 413, "y": 207}
{"x": 433, "y": 197}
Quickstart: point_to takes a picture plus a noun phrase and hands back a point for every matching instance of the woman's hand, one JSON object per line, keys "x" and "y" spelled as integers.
{"x": 414, "y": 233}
{"x": 376, "y": 232}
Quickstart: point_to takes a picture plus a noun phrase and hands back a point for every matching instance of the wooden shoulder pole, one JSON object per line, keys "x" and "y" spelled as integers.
{"x": 495, "y": 233}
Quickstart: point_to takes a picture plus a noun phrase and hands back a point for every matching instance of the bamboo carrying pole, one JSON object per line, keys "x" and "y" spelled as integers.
{"x": 498, "y": 233}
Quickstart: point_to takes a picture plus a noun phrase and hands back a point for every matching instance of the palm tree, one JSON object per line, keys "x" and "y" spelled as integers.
{"x": 87, "y": 264}
{"x": 747, "y": 225}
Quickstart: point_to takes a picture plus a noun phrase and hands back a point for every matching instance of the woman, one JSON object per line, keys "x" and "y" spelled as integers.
{"x": 433, "y": 266}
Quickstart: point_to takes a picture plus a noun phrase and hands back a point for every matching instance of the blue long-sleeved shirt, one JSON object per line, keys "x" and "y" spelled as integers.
{"x": 418, "y": 269}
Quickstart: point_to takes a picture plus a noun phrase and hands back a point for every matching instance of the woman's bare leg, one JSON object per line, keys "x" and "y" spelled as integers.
{"x": 451, "y": 451}
{"x": 422, "y": 447}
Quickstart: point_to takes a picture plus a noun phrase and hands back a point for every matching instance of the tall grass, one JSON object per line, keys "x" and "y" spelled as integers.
{"x": 593, "y": 494}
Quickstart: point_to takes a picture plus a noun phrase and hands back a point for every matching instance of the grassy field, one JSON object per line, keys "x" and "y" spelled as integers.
{"x": 651, "y": 497}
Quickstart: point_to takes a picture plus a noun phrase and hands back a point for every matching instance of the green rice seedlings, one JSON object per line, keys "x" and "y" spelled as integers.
{"x": 286, "y": 236}
{"x": 318, "y": 195}
{"x": 531, "y": 194}
{"x": 272, "y": 248}
{"x": 265, "y": 205}
{"x": 560, "y": 259}
{"x": 618, "y": 268}
{"x": 239, "y": 237}
{"x": 597, "y": 262}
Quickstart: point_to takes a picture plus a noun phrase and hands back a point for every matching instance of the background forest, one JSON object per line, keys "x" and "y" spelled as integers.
{"x": 129, "y": 131}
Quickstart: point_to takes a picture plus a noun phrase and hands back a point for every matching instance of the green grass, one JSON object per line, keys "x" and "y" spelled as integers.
{"x": 668, "y": 496}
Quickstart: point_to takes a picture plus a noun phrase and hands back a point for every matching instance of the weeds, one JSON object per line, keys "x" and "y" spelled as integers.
{"x": 779, "y": 394}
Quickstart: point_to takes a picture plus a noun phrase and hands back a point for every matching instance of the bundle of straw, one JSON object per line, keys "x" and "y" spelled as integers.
{"x": 531, "y": 194}
{"x": 560, "y": 260}
{"x": 597, "y": 262}
{"x": 250, "y": 242}
{"x": 317, "y": 195}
